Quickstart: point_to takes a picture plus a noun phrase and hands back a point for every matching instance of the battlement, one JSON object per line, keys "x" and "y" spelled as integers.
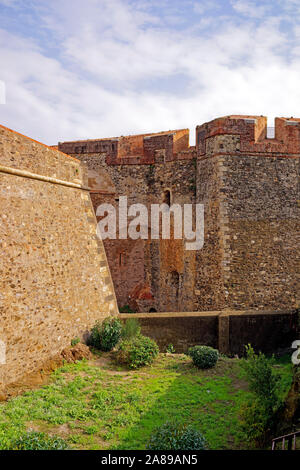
{"x": 252, "y": 134}
{"x": 251, "y": 137}
{"x": 134, "y": 149}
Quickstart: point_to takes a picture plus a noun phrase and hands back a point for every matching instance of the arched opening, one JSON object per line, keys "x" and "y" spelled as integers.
{"x": 167, "y": 197}
{"x": 152, "y": 310}
{"x": 174, "y": 284}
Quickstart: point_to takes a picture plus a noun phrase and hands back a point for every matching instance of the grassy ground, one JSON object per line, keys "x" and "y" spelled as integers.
{"x": 98, "y": 405}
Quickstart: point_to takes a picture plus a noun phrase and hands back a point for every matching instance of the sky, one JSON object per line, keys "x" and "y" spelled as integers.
{"x": 77, "y": 69}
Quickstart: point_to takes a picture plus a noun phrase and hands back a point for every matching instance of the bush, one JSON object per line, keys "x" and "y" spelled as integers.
{"x": 258, "y": 414}
{"x": 262, "y": 381}
{"x": 172, "y": 436}
{"x": 137, "y": 351}
{"x": 254, "y": 422}
{"x": 106, "y": 335}
{"x": 131, "y": 328}
{"x": 126, "y": 309}
{"x": 204, "y": 357}
{"x": 75, "y": 341}
{"x": 170, "y": 349}
{"x": 38, "y": 441}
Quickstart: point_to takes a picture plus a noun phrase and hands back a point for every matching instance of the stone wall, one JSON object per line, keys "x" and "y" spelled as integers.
{"x": 229, "y": 331}
{"x": 262, "y": 244}
{"x": 55, "y": 281}
{"x": 266, "y": 331}
{"x": 147, "y": 274}
{"x": 257, "y": 210}
{"x": 249, "y": 186}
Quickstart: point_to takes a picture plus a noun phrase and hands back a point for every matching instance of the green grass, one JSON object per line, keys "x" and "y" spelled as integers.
{"x": 99, "y": 405}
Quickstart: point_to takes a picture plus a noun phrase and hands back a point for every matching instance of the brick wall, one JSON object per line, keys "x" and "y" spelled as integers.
{"x": 55, "y": 281}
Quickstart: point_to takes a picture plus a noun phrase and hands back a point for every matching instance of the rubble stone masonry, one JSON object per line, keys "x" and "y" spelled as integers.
{"x": 54, "y": 278}
{"x": 249, "y": 185}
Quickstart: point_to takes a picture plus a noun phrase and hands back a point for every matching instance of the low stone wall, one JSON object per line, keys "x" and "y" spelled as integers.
{"x": 267, "y": 331}
{"x": 228, "y": 331}
{"x": 180, "y": 329}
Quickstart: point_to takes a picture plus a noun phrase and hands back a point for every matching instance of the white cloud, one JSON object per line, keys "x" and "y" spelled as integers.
{"x": 201, "y": 7}
{"x": 104, "y": 78}
{"x": 251, "y": 8}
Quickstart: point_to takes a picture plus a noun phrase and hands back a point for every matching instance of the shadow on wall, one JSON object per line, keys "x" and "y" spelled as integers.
{"x": 227, "y": 331}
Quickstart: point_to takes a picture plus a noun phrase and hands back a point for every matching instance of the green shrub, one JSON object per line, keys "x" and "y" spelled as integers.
{"x": 131, "y": 328}
{"x": 137, "y": 351}
{"x": 75, "y": 341}
{"x": 38, "y": 441}
{"x": 126, "y": 309}
{"x": 204, "y": 357}
{"x": 262, "y": 380}
{"x": 254, "y": 422}
{"x": 172, "y": 436}
{"x": 106, "y": 335}
{"x": 258, "y": 415}
{"x": 170, "y": 349}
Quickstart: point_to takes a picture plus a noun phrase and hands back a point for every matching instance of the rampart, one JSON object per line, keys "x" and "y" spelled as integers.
{"x": 55, "y": 281}
{"x": 249, "y": 185}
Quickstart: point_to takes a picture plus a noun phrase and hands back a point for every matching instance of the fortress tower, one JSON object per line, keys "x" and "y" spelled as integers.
{"x": 249, "y": 185}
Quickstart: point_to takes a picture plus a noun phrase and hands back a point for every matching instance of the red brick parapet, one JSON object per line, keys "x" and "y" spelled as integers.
{"x": 145, "y": 149}
{"x": 252, "y": 133}
{"x": 136, "y": 149}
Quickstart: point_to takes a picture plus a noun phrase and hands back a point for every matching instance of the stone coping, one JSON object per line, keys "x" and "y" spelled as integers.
{"x": 214, "y": 313}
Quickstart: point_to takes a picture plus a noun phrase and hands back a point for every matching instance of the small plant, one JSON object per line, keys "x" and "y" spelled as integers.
{"x": 253, "y": 422}
{"x": 38, "y": 441}
{"x": 258, "y": 414}
{"x": 137, "y": 351}
{"x": 106, "y": 335}
{"x": 173, "y": 436}
{"x": 170, "y": 349}
{"x": 131, "y": 328}
{"x": 204, "y": 357}
{"x": 75, "y": 341}
{"x": 261, "y": 378}
{"x": 126, "y": 309}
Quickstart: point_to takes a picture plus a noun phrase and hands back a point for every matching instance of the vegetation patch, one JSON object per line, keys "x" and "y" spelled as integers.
{"x": 137, "y": 351}
{"x": 175, "y": 436}
{"x": 204, "y": 357}
{"x": 98, "y": 405}
{"x": 105, "y": 335}
{"x": 38, "y": 441}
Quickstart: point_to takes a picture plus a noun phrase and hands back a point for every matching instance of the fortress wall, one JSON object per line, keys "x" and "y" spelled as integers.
{"x": 249, "y": 186}
{"x": 55, "y": 281}
{"x": 209, "y": 282}
{"x": 263, "y": 220}
{"x": 182, "y": 330}
{"x": 228, "y": 331}
{"x": 258, "y": 219}
{"x": 150, "y": 273}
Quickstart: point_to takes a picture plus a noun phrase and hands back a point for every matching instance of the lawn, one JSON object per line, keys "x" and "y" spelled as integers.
{"x": 98, "y": 405}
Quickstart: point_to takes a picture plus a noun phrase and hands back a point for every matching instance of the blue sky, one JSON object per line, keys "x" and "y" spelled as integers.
{"x": 96, "y": 68}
